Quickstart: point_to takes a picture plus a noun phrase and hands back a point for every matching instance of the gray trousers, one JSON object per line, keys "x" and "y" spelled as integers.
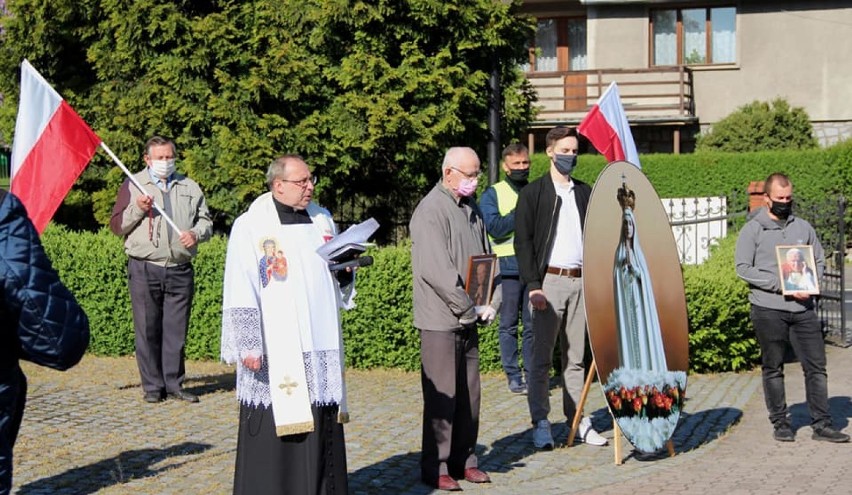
{"x": 451, "y": 396}
{"x": 564, "y": 319}
{"x": 161, "y": 298}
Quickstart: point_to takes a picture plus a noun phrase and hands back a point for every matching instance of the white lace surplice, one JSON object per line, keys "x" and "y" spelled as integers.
{"x": 322, "y": 368}
{"x": 282, "y": 318}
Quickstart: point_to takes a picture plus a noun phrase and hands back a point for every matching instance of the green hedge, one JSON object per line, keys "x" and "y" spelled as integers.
{"x": 379, "y": 331}
{"x": 720, "y": 333}
{"x": 94, "y": 267}
{"x": 816, "y": 174}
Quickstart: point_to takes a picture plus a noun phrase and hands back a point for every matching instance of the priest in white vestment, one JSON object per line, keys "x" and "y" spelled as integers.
{"x": 281, "y": 326}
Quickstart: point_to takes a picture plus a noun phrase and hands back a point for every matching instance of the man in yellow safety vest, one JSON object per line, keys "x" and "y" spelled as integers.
{"x": 498, "y": 210}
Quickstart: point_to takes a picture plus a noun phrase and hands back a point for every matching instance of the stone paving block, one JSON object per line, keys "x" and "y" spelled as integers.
{"x": 88, "y": 431}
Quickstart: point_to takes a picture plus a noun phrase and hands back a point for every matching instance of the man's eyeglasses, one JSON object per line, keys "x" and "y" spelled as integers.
{"x": 474, "y": 175}
{"x": 303, "y": 183}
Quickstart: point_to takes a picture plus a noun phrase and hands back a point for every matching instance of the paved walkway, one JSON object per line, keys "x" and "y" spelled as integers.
{"x": 88, "y": 431}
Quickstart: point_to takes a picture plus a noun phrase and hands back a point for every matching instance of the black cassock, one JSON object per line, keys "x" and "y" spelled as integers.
{"x": 308, "y": 463}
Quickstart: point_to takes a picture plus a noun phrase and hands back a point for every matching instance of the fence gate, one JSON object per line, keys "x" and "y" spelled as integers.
{"x": 828, "y": 219}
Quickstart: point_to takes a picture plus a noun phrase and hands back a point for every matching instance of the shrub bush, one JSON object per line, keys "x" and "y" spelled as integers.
{"x": 94, "y": 267}
{"x": 760, "y": 126}
{"x": 720, "y": 333}
{"x": 816, "y": 174}
{"x": 379, "y": 332}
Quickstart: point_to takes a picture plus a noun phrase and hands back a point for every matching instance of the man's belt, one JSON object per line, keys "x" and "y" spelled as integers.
{"x": 565, "y": 272}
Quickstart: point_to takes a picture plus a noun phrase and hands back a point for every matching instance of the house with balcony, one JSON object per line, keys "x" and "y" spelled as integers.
{"x": 681, "y": 66}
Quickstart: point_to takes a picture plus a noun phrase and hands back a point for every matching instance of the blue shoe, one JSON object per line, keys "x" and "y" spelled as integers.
{"x": 517, "y": 386}
{"x": 542, "y": 438}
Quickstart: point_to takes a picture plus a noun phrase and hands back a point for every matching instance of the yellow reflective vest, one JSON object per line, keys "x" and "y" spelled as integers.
{"x": 507, "y": 198}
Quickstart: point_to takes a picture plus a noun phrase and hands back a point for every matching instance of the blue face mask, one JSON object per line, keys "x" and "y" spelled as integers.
{"x": 565, "y": 163}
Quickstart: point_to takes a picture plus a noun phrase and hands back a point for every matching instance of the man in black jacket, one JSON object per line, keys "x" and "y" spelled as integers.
{"x": 40, "y": 321}
{"x": 549, "y": 246}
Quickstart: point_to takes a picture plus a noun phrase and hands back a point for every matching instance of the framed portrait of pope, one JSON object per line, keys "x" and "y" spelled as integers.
{"x": 797, "y": 269}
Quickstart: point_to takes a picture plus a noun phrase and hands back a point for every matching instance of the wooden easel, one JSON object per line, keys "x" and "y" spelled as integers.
{"x": 575, "y": 423}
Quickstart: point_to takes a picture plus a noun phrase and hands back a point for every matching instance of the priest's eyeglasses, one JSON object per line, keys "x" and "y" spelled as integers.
{"x": 303, "y": 183}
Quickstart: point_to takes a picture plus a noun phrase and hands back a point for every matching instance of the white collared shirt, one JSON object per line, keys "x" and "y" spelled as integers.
{"x": 568, "y": 246}
{"x": 163, "y": 184}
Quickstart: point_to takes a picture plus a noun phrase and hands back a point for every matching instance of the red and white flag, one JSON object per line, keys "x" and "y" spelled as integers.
{"x": 606, "y": 127}
{"x": 52, "y": 146}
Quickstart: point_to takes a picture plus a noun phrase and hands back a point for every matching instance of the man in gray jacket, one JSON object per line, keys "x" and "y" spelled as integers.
{"x": 159, "y": 268}
{"x": 779, "y": 319}
{"x": 446, "y": 230}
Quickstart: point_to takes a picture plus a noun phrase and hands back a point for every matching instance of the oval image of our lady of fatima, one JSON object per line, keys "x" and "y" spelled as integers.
{"x": 635, "y": 306}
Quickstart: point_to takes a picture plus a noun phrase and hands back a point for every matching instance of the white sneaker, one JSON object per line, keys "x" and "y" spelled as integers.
{"x": 587, "y": 434}
{"x": 542, "y": 438}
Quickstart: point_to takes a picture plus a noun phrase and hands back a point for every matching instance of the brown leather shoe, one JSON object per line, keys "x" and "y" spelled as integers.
{"x": 474, "y": 475}
{"x": 448, "y": 484}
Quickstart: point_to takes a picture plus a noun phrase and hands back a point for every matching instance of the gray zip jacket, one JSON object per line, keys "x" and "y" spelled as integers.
{"x": 445, "y": 233}
{"x": 151, "y": 238}
{"x": 757, "y": 262}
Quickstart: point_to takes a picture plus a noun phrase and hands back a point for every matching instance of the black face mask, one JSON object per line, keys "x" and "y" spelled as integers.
{"x": 519, "y": 177}
{"x": 781, "y": 210}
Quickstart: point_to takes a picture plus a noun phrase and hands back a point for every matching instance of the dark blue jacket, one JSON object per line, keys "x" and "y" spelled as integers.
{"x": 40, "y": 321}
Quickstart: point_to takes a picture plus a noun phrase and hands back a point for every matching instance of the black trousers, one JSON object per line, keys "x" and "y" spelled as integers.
{"x": 13, "y": 398}
{"x": 774, "y": 330}
{"x": 451, "y": 396}
{"x": 162, "y": 299}
{"x": 304, "y": 464}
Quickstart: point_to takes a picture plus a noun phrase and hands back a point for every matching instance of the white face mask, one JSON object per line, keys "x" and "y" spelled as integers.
{"x": 163, "y": 168}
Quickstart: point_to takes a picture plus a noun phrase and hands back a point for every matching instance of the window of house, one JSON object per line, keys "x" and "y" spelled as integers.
{"x": 559, "y": 45}
{"x": 692, "y": 36}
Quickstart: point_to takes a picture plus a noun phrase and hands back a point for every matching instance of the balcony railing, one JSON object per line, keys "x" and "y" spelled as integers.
{"x": 661, "y": 95}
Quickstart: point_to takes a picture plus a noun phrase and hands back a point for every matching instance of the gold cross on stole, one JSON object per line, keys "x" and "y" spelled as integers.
{"x": 288, "y": 385}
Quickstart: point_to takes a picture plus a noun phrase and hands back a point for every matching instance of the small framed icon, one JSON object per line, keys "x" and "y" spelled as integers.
{"x": 480, "y": 279}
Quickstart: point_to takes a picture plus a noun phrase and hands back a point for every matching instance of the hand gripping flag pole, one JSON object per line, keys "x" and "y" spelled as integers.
{"x": 139, "y": 186}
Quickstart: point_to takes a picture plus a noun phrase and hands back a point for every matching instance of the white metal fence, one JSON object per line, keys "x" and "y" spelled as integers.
{"x": 697, "y": 223}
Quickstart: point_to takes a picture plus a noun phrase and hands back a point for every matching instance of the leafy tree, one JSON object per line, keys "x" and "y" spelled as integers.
{"x": 761, "y": 126}
{"x": 370, "y": 91}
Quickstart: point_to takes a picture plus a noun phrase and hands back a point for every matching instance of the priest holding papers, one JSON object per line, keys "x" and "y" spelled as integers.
{"x": 283, "y": 332}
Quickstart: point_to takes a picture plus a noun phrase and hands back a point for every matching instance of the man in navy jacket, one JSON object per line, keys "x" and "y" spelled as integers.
{"x": 40, "y": 321}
